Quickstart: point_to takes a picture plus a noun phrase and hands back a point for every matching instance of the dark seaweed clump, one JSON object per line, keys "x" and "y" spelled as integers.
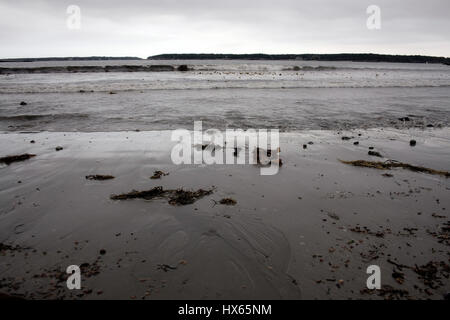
{"x": 228, "y": 202}
{"x": 394, "y": 164}
{"x": 158, "y": 174}
{"x": 10, "y": 159}
{"x": 99, "y": 177}
{"x": 178, "y": 197}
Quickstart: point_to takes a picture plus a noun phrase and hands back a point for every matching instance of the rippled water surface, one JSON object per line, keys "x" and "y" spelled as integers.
{"x": 289, "y": 95}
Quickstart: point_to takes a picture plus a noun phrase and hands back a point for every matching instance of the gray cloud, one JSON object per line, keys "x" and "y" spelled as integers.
{"x": 142, "y": 28}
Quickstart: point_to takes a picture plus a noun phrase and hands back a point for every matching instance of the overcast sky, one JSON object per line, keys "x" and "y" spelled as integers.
{"x": 38, "y": 28}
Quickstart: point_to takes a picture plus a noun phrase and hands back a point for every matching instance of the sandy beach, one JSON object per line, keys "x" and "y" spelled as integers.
{"x": 309, "y": 232}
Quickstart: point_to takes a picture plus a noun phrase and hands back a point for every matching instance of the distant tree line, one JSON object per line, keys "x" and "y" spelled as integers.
{"x": 356, "y": 57}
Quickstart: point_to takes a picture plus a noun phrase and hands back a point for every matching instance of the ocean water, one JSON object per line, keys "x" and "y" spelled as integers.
{"x": 288, "y": 95}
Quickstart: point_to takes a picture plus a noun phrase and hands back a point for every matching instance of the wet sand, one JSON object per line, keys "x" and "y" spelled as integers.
{"x": 308, "y": 232}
